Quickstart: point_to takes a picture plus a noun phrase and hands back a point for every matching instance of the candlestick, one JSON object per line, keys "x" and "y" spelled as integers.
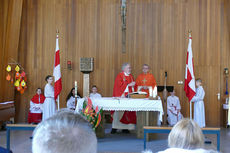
{"x": 150, "y": 91}
{"x": 75, "y": 89}
{"x": 155, "y": 92}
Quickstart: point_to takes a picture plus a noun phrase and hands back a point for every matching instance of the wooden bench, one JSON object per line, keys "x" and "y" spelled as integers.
{"x": 22, "y": 127}
{"x": 158, "y": 129}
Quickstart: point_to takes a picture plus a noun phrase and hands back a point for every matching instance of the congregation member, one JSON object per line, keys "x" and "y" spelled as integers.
{"x": 186, "y": 137}
{"x": 198, "y": 99}
{"x": 36, "y": 104}
{"x": 49, "y": 107}
{"x": 173, "y": 109}
{"x": 124, "y": 84}
{"x": 94, "y": 93}
{"x": 64, "y": 132}
{"x": 145, "y": 80}
{"x": 70, "y": 99}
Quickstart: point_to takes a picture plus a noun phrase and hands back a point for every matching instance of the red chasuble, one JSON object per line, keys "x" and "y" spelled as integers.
{"x": 121, "y": 82}
{"x": 146, "y": 80}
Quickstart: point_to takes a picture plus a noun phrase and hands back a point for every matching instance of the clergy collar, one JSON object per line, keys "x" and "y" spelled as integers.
{"x": 126, "y": 74}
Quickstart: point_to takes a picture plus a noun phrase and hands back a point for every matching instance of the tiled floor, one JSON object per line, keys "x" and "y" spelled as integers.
{"x": 20, "y": 142}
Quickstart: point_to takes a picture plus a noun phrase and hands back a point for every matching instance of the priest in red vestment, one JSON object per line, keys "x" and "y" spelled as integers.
{"x": 145, "y": 80}
{"x": 35, "y": 113}
{"x": 124, "y": 84}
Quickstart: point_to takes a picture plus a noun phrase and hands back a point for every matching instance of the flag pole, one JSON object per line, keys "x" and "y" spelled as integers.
{"x": 190, "y": 105}
{"x": 58, "y": 102}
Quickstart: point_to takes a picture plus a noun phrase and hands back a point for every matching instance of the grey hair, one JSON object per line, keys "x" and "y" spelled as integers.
{"x": 186, "y": 134}
{"x": 64, "y": 132}
{"x": 124, "y": 65}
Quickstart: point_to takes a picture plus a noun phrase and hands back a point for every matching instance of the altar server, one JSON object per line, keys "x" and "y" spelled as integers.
{"x": 199, "y": 112}
{"x": 49, "y": 104}
{"x": 35, "y": 113}
{"x": 94, "y": 93}
{"x": 124, "y": 84}
{"x": 71, "y": 103}
{"x": 173, "y": 109}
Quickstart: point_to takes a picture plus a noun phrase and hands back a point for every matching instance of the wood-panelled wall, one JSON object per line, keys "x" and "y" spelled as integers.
{"x": 10, "y": 22}
{"x": 157, "y": 32}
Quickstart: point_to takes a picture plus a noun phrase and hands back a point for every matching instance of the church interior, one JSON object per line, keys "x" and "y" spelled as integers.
{"x": 111, "y": 33}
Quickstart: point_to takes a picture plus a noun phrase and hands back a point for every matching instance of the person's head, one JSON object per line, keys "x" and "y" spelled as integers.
{"x": 186, "y": 134}
{"x": 94, "y": 89}
{"x": 198, "y": 82}
{"x": 39, "y": 91}
{"x": 72, "y": 94}
{"x": 49, "y": 79}
{"x": 126, "y": 68}
{"x": 64, "y": 132}
{"x": 172, "y": 93}
{"x": 145, "y": 68}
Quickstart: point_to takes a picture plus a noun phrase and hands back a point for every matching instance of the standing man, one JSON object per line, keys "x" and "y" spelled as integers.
{"x": 124, "y": 84}
{"x": 145, "y": 80}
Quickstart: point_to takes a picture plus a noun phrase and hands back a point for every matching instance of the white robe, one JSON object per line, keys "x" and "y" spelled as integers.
{"x": 199, "y": 112}
{"x": 173, "y": 104}
{"x": 71, "y": 102}
{"x": 96, "y": 95}
{"x": 49, "y": 103}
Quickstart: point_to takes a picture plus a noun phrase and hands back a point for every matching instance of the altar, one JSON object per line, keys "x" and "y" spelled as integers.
{"x": 149, "y": 112}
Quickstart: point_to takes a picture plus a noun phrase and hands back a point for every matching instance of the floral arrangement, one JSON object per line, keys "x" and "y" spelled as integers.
{"x": 91, "y": 114}
{"x": 18, "y": 77}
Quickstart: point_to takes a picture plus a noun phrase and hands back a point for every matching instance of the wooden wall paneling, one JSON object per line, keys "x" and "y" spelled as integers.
{"x": 10, "y": 29}
{"x": 156, "y": 35}
{"x": 225, "y": 52}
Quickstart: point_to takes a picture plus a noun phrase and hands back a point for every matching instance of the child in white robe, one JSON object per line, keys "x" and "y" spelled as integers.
{"x": 71, "y": 99}
{"x": 49, "y": 107}
{"x": 199, "y": 112}
{"x": 94, "y": 93}
{"x": 173, "y": 109}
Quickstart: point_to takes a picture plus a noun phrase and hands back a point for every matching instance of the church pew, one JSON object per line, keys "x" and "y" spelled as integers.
{"x": 158, "y": 129}
{"x": 22, "y": 127}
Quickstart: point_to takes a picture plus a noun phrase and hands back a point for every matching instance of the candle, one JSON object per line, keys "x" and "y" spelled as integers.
{"x": 150, "y": 92}
{"x": 75, "y": 88}
{"x": 155, "y": 92}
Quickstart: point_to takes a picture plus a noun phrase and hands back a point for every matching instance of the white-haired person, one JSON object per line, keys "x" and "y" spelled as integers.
{"x": 64, "y": 132}
{"x": 186, "y": 137}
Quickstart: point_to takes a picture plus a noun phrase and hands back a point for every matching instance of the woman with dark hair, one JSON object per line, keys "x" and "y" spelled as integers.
{"x": 71, "y": 99}
{"x": 49, "y": 104}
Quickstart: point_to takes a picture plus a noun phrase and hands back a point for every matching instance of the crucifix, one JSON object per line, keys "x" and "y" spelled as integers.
{"x": 123, "y": 20}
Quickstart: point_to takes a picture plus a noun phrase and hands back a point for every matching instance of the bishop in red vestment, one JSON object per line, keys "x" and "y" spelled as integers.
{"x": 124, "y": 84}
{"x": 35, "y": 113}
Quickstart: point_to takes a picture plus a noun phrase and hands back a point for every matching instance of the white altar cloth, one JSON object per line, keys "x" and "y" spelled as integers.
{"x": 124, "y": 104}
